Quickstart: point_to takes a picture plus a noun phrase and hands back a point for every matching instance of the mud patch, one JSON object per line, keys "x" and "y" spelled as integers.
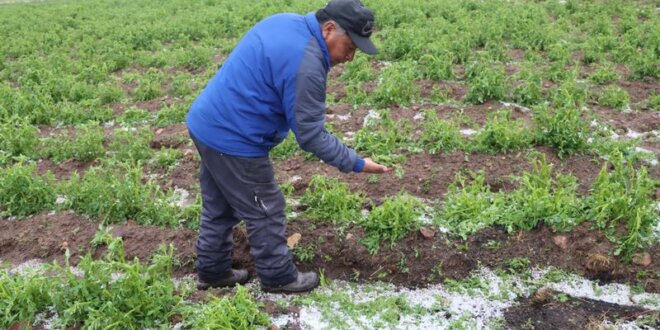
{"x": 548, "y": 309}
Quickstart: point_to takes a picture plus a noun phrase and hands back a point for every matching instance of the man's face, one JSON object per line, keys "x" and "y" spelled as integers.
{"x": 340, "y": 46}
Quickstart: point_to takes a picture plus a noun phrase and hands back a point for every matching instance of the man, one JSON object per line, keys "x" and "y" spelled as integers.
{"x": 273, "y": 81}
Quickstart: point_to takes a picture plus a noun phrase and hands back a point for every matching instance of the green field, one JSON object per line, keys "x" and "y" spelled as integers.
{"x": 507, "y": 116}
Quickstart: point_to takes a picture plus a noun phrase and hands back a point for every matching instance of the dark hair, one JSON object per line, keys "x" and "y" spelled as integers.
{"x": 322, "y": 16}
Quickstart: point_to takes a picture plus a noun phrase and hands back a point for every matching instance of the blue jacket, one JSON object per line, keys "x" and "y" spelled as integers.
{"x": 273, "y": 81}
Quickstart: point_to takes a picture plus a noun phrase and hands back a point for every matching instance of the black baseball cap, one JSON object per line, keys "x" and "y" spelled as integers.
{"x": 356, "y": 19}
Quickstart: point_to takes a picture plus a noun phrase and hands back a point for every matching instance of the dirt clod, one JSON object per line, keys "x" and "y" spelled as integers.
{"x": 561, "y": 241}
{"x": 643, "y": 259}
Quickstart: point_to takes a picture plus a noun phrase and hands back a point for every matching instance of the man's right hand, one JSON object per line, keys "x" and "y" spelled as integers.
{"x": 372, "y": 167}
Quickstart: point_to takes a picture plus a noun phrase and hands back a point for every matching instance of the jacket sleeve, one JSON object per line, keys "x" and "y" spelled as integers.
{"x": 309, "y": 121}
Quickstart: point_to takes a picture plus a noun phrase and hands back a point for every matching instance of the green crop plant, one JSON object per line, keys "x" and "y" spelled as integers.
{"x": 396, "y": 85}
{"x": 287, "y": 149}
{"x": 542, "y": 199}
{"x": 116, "y": 293}
{"x": 487, "y": 82}
{"x": 570, "y": 93}
{"x": 23, "y": 297}
{"x": 133, "y": 116}
{"x": 166, "y": 158}
{"x": 240, "y": 311}
{"x": 654, "y": 102}
{"x": 562, "y": 129}
{"x": 117, "y": 192}
{"x": 391, "y": 221}
{"x": 614, "y": 97}
{"x": 605, "y": 74}
{"x": 468, "y": 206}
{"x": 194, "y": 57}
{"x": 328, "y": 199}
{"x": 436, "y": 66}
{"x": 500, "y": 133}
{"x": 182, "y": 85}
{"x": 644, "y": 65}
{"x": 108, "y": 293}
{"x": 109, "y": 93}
{"x": 304, "y": 254}
{"x": 18, "y": 138}
{"x": 23, "y": 191}
{"x": 131, "y": 144}
{"x": 172, "y": 114}
{"x": 528, "y": 91}
{"x": 86, "y": 145}
{"x": 623, "y": 195}
{"x": 358, "y": 70}
{"x": 559, "y": 52}
{"x": 383, "y": 139}
{"x": 439, "y": 135}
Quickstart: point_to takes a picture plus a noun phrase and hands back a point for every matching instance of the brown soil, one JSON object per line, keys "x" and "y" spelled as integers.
{"x": 545, "y": 310}
{"x": 342, "y": 256}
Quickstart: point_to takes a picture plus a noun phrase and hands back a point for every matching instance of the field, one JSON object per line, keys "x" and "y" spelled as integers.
{"x": 523, "y": 135}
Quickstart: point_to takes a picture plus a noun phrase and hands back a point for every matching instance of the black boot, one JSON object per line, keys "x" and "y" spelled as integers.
{"x": 239, "y": 276}
{"x": 304, "y": 283}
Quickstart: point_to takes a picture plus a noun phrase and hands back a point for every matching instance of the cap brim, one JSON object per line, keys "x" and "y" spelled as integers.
{"x": 364, "y": 44}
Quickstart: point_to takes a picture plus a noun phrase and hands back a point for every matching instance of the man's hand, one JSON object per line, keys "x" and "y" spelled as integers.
{"x": 372, "y": 167}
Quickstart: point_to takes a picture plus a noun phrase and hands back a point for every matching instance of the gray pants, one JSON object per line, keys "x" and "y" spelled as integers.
{"x": 236, "y": 188}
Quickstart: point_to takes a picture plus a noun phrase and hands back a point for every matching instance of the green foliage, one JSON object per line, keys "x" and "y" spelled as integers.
{"x": 166, "y": 158}
{"x": 287, "y": 149}
{"x": 605, "y": 74}
{"x": 86, "y": 144}
{"x": 615, "y": 97}
{"x": 562, "y": 129}
{"x": 358, "y": 70}
{"x": 436, "y": 67}
{"x": 329, "y": 199}
{"x": 542, "y": 199}
{"x": 396, "y": 85}
{"x": 500, "y": 133}
{"x": 486, "y": 82}
{"x": 654, "y": 102}
{"x": 17, "y": 139}
{"x": 570, "y": 93}
{"x": 22, "y": 297}
{"x": 528, "y": 91}
{"x": 391, "y": 221}
{"x": 468, "y": 207}
{"x": 241, "y": 311}
{"x": 382, "y": 139}
{"x": 623, "y": 196}
{"x": 118, "y": 192}
{"x": 132, "y": 116}
{"x": 131, "y": 144}
{"x": 170, "y": 115}
{"x": 439, "y": 135}
{"x": 23, "y": 191}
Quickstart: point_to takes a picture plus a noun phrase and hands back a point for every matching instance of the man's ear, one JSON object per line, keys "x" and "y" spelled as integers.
{"x": 327, "y": 29}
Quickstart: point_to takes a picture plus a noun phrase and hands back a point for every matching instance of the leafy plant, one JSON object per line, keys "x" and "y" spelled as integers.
{"x": 614, "y": 97}
{"x": 23, "y": 191}
{"x": 86, "y": 145}
{"x": 468, "y": 207}
{"x": 117, "y": 192}
{"x": 623, "y": 196}
{"x": 439, "y": 135}
{"x": 486, "y": 82}
{"x": 391, "y": 221}
{"x": 396, "y": 85}
{"x": 382, "y": 139}
{"x": 500, "y": 133}
{"x": 329, "y": 199}
{"x": 241, "y": 311}
{"x": 562, "y": 129}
